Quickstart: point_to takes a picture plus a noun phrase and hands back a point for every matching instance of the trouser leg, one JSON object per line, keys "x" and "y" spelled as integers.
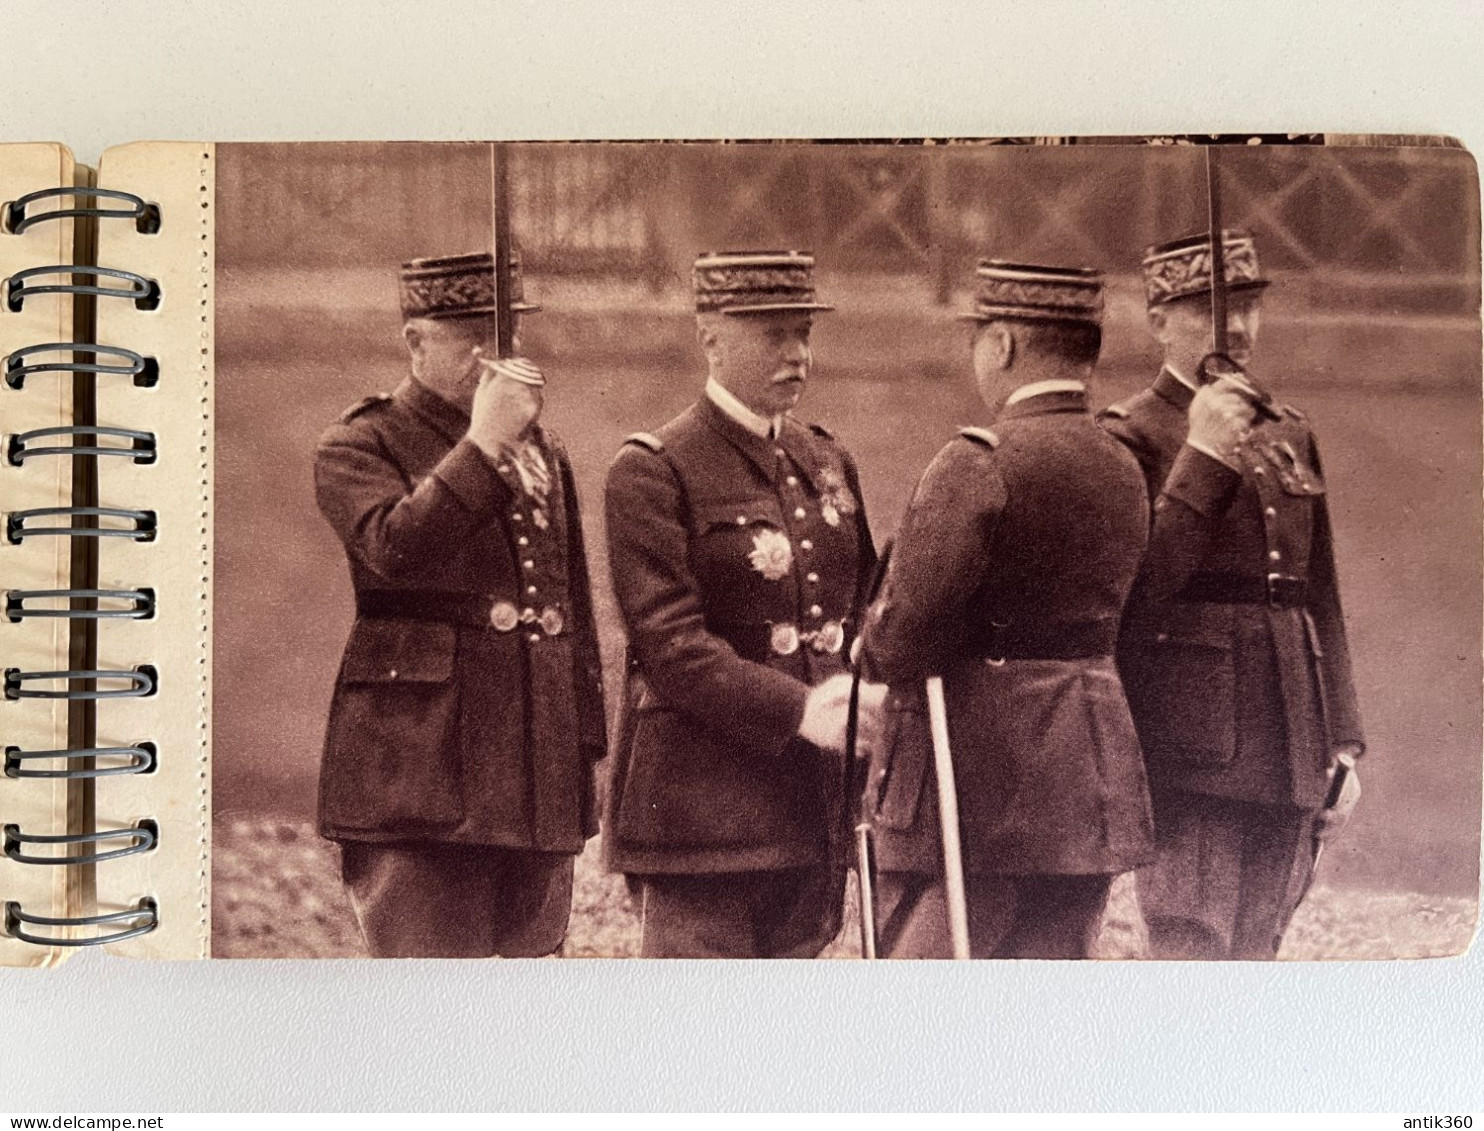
{"x": 912, "y": 915}
{"x": 784, "y": 913}
{"x": 1222, "y": 881}
{"x": 1275, "y": 862}
{"x": 1055, "y": 916}
{"x": 422, "y": 900}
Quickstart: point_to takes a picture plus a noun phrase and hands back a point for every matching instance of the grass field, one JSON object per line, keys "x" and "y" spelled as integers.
{"x": 277, "y": 894}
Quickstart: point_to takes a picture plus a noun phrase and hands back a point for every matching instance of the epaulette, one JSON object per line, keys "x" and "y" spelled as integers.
{"x": 821, "y": 430}
{"x": 1116, "y": 411}
{"x": 981, "y": 436}
{"x": 359, "y": 407}
{"x": 646, "y": 440}
{"x": 1294, "y": 414}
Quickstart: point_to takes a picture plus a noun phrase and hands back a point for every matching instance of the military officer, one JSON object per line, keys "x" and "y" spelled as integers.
{"x": 1233, "y": 650}
{"x": 1007, "y": 578}
{"x": 739, "y": 549}
{"x": 467, "y": 716}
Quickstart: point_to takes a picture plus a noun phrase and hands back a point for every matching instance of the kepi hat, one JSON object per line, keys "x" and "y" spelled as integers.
{"x": 457, "y": 286}
{"x": 754, "y": 282}
{"x": 1182, "y": 268}
{"x": 1028, "y": 290}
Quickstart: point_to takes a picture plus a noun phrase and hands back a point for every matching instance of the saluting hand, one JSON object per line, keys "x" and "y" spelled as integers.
{"x": 506, "y": 403}
{"x": 1221, "y": 417}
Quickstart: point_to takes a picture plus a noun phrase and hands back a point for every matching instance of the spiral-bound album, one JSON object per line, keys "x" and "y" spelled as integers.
{"x": 876, "y": 549}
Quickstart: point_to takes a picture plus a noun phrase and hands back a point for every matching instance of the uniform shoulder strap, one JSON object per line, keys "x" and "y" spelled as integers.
{"x": 1294, "y": 414}
{"x": 980, "y": 436}
{"x": 1116, "y": 411}
{"x": 646, "y": 440}
{"x": 359, "y": 407}
{"x": 821, "y": 430}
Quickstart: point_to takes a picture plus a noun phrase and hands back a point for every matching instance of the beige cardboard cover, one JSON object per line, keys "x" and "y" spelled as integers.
{"x": 35, "y": 805}
{"x": 177, "y": 563}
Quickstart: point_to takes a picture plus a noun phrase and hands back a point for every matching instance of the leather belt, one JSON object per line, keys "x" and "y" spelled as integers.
{"x": 1065, "y": 640}
{"x": 469, "y": 609}
{"x": 1275, "y": 589}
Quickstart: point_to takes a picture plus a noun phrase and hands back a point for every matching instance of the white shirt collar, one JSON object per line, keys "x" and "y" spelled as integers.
{"x": 1178, "y": 376}
{"x": 759, "y": 426}
{"x": 1036, "y": 388}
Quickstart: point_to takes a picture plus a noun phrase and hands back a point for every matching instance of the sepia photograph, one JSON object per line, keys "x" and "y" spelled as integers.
{"x": 911, "y": 549}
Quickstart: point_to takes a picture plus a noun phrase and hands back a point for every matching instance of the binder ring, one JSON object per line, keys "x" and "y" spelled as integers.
{"x": 146, "y": 216}
{"x": 148, "y": 911}
{"x": 144, "y": 370}
{"x": 141, "y": 608}
{"x": 143, "y": 529}
{"x": 142, "y": 681}
{"x": 141, "y": 761}
{"x": 141, "y": 444}
{"x": 143, "y": 837}
{"x": 144, "y": 291}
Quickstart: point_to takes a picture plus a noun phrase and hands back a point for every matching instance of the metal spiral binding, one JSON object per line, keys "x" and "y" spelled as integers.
{"x": 146, "y": 216}
{"x": 80, "y": 441}
{"x": 141, "y": 447}
{"x": 144, "y": 291}
{"x": 147, "y": 915}
{"x": 142, "y": 681}
{"x": 142, "y": 837}
{"x": 141, "y": 604}
{"x": 141, "y": 760}
{"x": 143, "y": 529}
{"x": 144, "y": 370}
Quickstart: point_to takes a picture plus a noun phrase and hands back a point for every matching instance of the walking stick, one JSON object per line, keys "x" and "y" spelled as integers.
{"x": 953, "y": 860}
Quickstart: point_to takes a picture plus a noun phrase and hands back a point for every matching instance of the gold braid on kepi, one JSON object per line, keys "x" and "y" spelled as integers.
{"x": 754, "y": 282}
{"x": 1182, "y": 268}
{"x": 457, "y": 286}
{"x": 1027, "y": 290}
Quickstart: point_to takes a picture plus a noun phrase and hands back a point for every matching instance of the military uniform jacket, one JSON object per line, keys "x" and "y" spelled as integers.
{"x": 738, "y": 563}
{"x": 1234, "y": 651}
{"x": 469, "y": 706}
{"x": 1007, "y": 579}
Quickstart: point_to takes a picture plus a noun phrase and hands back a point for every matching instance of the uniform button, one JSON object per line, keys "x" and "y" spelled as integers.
{"x": 1270, "y": 512}
{"x": 1162, "y": 637}
{"x": 741, "y": 520}
{"x": 813, "y": 579}
{"x": 805, "y": 544}
{"x": 815, "y": 611}
{"x": 779, "y": 452}
{"x": 533, "y": 637}
{"x": 799, "y": 512}
{"x": 1274, "y": 555}
{"x": 504, "y": 469}
{"x": 792, "y": 480}
{"x": 529, "y": 564}
{"x": 531, "y": 590}
{"x": 522, "y": 541}
{"x": 393, "y": 673}
{"x": 1259, "y": 471}
{"x": 517, "y": 517}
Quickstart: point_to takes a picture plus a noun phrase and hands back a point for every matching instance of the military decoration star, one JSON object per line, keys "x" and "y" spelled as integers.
{"x": 835, "y": 498}
{"x": 772, "y": 555}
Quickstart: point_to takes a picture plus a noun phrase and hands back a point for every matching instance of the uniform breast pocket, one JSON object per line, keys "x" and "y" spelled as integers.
{"x": 1179, "y": 675}
{"x": 399, "y": 651}
{"x": 741, "y": 547}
